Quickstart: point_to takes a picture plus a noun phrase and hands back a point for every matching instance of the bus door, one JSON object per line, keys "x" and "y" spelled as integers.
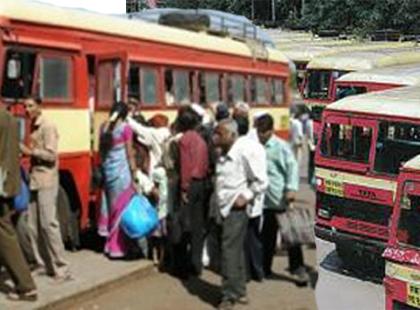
{"x": 110, "y": 84}
{"x": 111, "y": 79}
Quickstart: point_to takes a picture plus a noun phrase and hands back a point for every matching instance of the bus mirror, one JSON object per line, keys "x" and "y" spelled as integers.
{"x": 13, "y": 69}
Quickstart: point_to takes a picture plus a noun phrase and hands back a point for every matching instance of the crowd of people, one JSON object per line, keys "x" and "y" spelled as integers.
{"x": 218, "y": 185}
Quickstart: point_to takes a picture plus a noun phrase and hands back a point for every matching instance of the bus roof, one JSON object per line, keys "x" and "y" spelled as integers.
{"x": 408, "y": 74}
{"x": 41, "y": 13}
{"x": 304, "y": 53}
{"x": 357, "y": 60}
{"x": 311, "y": 51}
{"x": 413, "y": 163}
{"x": 398, "y": 102}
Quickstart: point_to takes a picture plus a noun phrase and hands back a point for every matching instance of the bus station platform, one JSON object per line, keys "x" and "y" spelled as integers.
{"x": 93, "y": 274}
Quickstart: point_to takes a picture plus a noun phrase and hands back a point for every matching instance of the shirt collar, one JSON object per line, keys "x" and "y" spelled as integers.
{"x": 39, "y": 120}
{"x": 270, "y": 142}
{"x": 233, "y": 152}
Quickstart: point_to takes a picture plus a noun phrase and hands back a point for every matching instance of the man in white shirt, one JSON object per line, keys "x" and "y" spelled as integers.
{"x": 237, "y": 184}
{"x": 257, "y": 157}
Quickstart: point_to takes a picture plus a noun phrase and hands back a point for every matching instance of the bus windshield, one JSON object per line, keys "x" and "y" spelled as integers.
{"x": 347, "y": 90}
{"x": 409, "y": 220}
{"x": 346, "y": 142}
{"x": 319, "y": 83}
{"x": 396, "y": 144}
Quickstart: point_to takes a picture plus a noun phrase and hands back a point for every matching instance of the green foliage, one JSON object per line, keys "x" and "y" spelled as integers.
{"x": 357, "y": 16}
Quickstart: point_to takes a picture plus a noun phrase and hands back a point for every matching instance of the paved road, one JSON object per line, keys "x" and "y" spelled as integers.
{"x": 336, "y": 290}
{"x": 162, "y": 292}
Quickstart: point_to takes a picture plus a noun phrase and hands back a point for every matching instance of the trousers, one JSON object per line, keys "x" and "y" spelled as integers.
{"x": 11, "y": 256}
{"x": 234, "y": 229}
{"x": 44, "y": 231}
{"x": 270, "y": 229}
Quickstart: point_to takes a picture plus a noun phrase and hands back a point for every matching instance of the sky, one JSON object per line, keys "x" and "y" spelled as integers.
{"x": 102, "y": 6}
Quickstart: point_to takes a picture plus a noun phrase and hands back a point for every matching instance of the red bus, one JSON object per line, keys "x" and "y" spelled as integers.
{"x": 80, "y": 62}
{"x": 363, "y": 143}
{"x": 402, "y": 272}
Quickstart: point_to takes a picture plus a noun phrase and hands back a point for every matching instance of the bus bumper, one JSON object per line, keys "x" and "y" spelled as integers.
{"x": 339, "y": 237}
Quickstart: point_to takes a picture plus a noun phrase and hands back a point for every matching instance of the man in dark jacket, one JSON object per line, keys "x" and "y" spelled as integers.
{"x": 10, "y": 252}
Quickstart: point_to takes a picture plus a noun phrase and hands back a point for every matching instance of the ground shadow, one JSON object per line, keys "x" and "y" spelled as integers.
{"x": 313, "y": 276}
{"x": 280, "y": 277}
{"x": 4, "y": 279}
{"x": 207, "y": 292}
{"x": 333, "y": 263}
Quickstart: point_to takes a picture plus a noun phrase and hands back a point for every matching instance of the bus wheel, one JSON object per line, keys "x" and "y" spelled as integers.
{"x": 349, "y": 258}
{"x": 68, "y": 218}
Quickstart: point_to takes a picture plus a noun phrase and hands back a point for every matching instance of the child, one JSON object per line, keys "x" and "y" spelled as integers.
{"x": 156, "y": 189}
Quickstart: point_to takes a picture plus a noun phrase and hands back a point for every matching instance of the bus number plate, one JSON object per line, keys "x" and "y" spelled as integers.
{"x": 334, "y": 188}
{"x": 413, "y": 295}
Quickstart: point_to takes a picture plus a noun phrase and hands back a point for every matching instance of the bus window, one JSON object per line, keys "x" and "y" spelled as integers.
{"x": 109, "y": 83}
{"x": 277, "y": 91}
{"x": 55, "y": 78}
{"x": 259, "y": 90}
{"x": 134, "y": 82}
{"x": 346, "y": 142}
{"x": 396, "y": 144}
{"x": 318, "y": 84}
{"x": 148, "y": 86}
{"x": 344, "y": 91}
{"x": 178, "y": 86}
{"x": 142, "y": 84}
{"x": 18, "y": 74}
{"x": 409, "y": 222}
{"x": 236, "y": 89}
{"x": 210, "y": 86}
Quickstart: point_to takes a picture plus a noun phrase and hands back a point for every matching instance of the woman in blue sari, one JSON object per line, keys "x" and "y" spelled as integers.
{"x": 117, "y": 166}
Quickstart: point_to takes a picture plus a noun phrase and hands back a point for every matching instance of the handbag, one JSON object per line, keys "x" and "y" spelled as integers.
{"x": 139, "y": 218}
{"x": 296, "y": 227}
{"x": 21, "y": 201}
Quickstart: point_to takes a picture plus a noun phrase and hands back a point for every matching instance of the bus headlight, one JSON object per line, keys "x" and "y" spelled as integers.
{"x": 324, "y": 213}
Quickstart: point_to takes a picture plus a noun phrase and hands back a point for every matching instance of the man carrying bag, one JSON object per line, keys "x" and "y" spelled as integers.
{"x": 283, "y": 176}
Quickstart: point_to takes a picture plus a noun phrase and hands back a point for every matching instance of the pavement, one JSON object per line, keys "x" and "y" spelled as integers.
{"x": 93, "y": 274}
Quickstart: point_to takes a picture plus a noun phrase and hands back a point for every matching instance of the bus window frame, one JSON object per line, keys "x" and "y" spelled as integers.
{"x": 272, "y": 80}
{"x": 72, "y": 78}
{"x": 123, "y": 58}
{"x": 402, "y": 179}
{"x": 39, "y": 53}
{"x": 342, "y": 163}
{"x": 192, "y": 90}
{"x": 157, "y": 69}
{"x": 221, "y": 75}
{"x": 229, "y": 79}
{"x": 267, "y": 91}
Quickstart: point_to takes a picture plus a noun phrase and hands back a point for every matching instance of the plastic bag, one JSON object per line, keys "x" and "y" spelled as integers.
{"x": 21, "y": 201}
{"x": 296, "y": 227}
{"x": 139, "y": 218}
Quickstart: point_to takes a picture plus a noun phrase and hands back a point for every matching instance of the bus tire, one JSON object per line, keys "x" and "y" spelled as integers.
{"x": 68, "y": 219}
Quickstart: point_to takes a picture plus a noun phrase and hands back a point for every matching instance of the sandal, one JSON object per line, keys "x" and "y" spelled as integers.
{"x": 57, "y": 279}
{"x": 26, "y": 296}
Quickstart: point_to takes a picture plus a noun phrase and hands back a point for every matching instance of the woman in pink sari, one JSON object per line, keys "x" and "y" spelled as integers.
{"x": 117, "y": 167}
